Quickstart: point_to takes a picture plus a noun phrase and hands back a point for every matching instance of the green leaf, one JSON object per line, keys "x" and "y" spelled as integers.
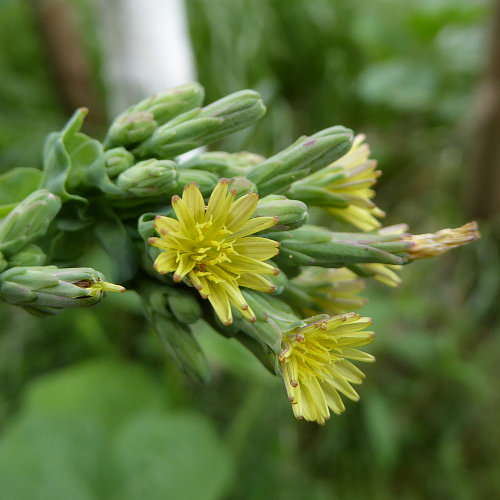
{"x": 57, "y": 160}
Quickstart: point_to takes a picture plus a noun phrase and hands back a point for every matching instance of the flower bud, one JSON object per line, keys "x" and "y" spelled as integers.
{"x": 242, "y": 185}
{"x": 173, "y": 102}
{"x": 206, "y": 181}
{"x": 47, "y": 289}
{"x": 177, "y": 337}
{"x": 130, "y": 128}
{"x": 306, "y": 155}
{"x": 149, "y": 178}
{"x": 30, "y": 255}
{"x": 273, "y": 316}
{"x": 117, "y": 160}
{"x": 316, "y": 246}
{"x": 28, "y": 221}
{"x": 198, "y": 127}
{"x": 224, "y": 164}
{"x": 184, "y": 306}
{"x": 291, "y": 213}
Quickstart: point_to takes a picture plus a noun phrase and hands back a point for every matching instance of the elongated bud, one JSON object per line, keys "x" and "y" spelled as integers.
{"x": 272, "y": 317}
{"x": 206, "y": 181}
{"x": 48, "y": 289}
{"x": 430, "y": 245}
{"x": 316, "y": 246}
{"x": 242, "y": 185}
{"x": 184, "y": 306}
{"x": 224, "y": 164}
{"x": 30, "y": 255}
{"x": 149, "y": 178}
{"x": 291, "y": 213}
{"x": 130, "y": 128}
{"x": 177, "y": 337}
{"x": 117, "y": 160}
{"x": 202, "y": 126}
{"x": 171, "y": 103}
{"x": 28, "y": 221}
{"x": 306, "y": 155}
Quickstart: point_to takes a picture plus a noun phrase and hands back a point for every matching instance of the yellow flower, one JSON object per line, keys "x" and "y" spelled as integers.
{"x": 211, "y": 248}
{"x": 430, "y": 245}
{"x": 315, "y": 367}
{"x": 354, "y": 186}
{"x": 333, "y": 291}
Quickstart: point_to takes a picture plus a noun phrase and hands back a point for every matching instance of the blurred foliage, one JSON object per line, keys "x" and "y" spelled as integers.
{"x": 90, "y": 410}
{"x": 401, "y": 72}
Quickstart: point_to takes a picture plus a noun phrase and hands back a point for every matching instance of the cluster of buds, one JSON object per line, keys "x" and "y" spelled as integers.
{"x": 220, "y": 238}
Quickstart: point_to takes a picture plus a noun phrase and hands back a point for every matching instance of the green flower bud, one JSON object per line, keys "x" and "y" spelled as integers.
{"x": 30, "y": 255}
{"x": 48, "y": 289}
{"x": 291, "y": 213}
{"x": 224, "y": 164}
{"x": 316, "y": 246}
{"x": 206, "y": 181}
{"x": 117, "y": 160}
{"x": 149, "y": 178}
{"x": 173, "y": 102}
{"x": 184, "y": 306}
{"x": 306, "y": 155}
{"x": 202, "y": 126}
{"x": 242, "y": 185}
{"x": 28, "y": 221}
{"x": 130, "y": 128}
{"x": 273, "y": 316}
{"x": 177, "y": 337}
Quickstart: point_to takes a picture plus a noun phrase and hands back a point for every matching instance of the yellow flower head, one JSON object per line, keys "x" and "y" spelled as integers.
{"x": 430, "y": 245}
{"x": 360, "y": 175}
{"x": 210, "y": 247}
{"x": 315, "y": 367}
{"x": 333, "y": 291}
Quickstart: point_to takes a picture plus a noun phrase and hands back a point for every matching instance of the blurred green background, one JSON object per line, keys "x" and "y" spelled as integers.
{"x": 89, "y": 406}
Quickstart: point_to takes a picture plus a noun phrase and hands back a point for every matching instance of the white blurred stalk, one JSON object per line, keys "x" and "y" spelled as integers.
{"x": 146, "y": 49}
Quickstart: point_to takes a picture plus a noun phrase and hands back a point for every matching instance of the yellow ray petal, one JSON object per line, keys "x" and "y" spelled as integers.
{"x": 241, "y": 210}
{"x": 254, "y": 225}
{"x": 194, "y": 201}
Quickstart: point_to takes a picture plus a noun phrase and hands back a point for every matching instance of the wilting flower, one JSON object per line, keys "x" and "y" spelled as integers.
{"x": 315, "y": 367}
{"x": 211, "y": 248}
{"x": 331, "y": 291}
{"x": 430, "y": 245}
